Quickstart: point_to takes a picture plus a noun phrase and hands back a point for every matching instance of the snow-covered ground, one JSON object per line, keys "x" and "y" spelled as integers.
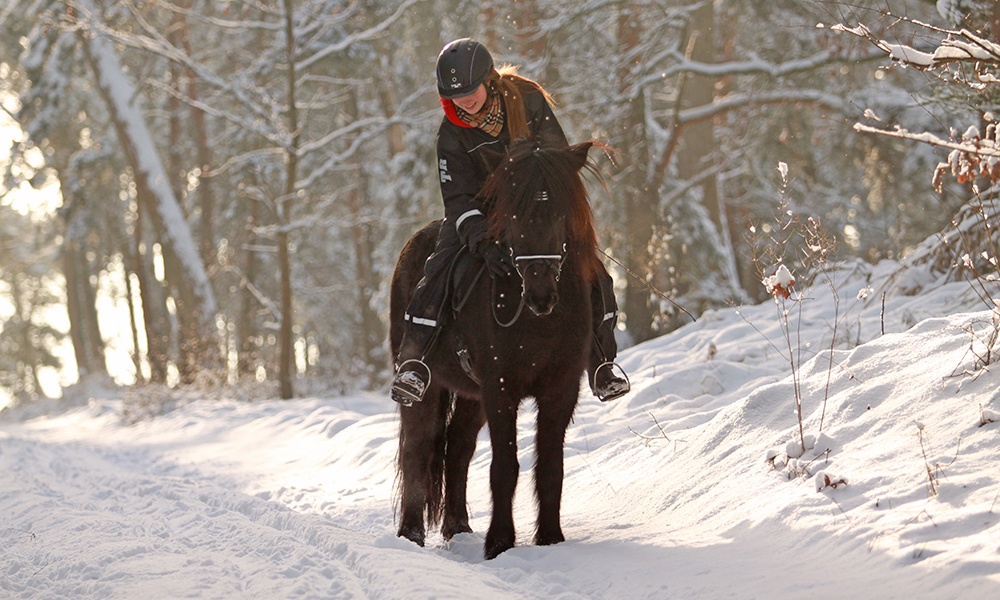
{"x": 669, "y": 492}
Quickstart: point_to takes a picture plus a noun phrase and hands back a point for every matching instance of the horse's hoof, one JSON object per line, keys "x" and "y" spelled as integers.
{"x": 450, "y": 530}
{"x": 413, "y": 534}
{"x": 547, "y": 539}
{"x": 497, "y": 545}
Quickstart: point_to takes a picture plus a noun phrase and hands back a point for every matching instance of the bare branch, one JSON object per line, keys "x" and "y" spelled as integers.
{"x": 361, "y": 36}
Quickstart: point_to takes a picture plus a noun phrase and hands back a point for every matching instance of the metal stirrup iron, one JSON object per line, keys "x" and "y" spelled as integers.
{"x": 616, "y": 391}
{"x": 408, "y": 386}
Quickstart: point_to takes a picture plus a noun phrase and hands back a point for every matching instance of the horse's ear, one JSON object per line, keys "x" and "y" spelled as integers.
{"x": 579, "y": 154}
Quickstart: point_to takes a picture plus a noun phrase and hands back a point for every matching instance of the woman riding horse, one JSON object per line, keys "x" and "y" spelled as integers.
{"x": 484, "y": 110}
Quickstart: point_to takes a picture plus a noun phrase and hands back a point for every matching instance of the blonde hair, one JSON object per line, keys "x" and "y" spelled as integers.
{"x": 512, "y": 88}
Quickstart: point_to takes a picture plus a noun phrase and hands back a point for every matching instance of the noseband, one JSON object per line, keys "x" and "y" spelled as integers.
{"x": 552, "y": 261}
{"x": 522, "y": 264}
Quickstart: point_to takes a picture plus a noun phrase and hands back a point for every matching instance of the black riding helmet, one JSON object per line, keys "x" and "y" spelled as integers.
{"x": 462, "y": 65}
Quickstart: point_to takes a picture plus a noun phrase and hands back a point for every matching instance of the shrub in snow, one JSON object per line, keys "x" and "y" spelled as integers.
{"x": 141, "y": 402}
{"x": 780, "y": 284}
{"x": 825, "y": 479}
{"x": 798, "y": 461}
{"x": 987, "y": 416}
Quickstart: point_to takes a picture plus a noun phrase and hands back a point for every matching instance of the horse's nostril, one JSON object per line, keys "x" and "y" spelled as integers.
{"x": 544, "y": 305}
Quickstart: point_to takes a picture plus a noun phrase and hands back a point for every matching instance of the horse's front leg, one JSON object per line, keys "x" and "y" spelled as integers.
{"x": 501, "y": 416}
{"x": 554, "y": 414}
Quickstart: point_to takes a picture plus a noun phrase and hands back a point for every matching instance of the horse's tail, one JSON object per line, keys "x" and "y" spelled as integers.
{"x": 435, "y": 471}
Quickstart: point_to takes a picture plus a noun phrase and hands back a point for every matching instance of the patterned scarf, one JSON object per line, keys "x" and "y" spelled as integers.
{"x": 490, "y": 116}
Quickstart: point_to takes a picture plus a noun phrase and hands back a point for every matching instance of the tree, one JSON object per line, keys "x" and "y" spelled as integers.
{"x": 195, "y": 298}
{"x": 964, "y": 60}
{"x": 27, "y": 341}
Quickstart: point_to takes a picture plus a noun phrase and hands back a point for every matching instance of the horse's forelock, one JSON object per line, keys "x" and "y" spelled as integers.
{"x": 530, "y": 168}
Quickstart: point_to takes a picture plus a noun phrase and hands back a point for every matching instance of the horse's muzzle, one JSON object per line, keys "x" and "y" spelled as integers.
{"x": 543, "y": 304}
{"x": 540, "y": 278}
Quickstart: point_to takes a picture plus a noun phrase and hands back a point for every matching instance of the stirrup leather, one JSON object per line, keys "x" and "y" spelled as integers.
{"x": 614, "y": 387}
{"x": 409, "y": 384}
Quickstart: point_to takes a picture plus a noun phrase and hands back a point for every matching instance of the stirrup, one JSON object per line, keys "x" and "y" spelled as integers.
{"x": 615, "y": 387}
{"x": 409, "y": 385}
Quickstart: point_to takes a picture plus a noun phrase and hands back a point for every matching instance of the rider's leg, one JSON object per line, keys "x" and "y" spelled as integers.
{"x": 422, "y": 320}
{"x": 605, "y": 382}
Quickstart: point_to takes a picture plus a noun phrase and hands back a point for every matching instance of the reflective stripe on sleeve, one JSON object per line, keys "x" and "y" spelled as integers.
{"x": 466, "y": 215}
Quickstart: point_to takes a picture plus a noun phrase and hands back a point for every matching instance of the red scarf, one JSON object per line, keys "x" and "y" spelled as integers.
{"x": 452, "y": 114}
{"x": 490, "y": 117}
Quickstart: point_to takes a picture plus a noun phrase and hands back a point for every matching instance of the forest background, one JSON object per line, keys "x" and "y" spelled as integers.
{"x": 213, "y": 193}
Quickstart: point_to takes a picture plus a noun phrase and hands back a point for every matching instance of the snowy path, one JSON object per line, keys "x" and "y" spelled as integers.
{"x": 123, "y": 521}
{"x": 115, "y": 523}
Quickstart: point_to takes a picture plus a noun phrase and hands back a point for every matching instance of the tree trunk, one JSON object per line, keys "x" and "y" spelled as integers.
{"x": 205, "y": 195}
{"x": 697, "y": 147}
{"x": 153, "y": 297}
{"x": 371, "y": 331}
{"x": 716, "y": 266}
{"x": 81, "y": 299}
{"x": 27, "y": 354}
{"x": 286, "y": 339}
{"x": 639, "y": 200}
{"x": 195, "y": 300}
{"x": 127, "y": 260}
{"x": 995, "y": 25}
{"x": 246, "y": 364}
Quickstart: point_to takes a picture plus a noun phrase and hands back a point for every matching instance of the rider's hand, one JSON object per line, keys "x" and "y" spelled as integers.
{"x": 489, "y": 251}
{"x": 496, "y": 262}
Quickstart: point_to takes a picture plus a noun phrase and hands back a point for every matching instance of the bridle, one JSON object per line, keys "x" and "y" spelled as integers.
{"x": 552, "y": 261}
{"x": 522, "y": 264}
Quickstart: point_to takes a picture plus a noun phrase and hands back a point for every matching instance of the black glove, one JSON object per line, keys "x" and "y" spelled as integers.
{"x": 489, "y": 251}
{"x": 498, "y": 264}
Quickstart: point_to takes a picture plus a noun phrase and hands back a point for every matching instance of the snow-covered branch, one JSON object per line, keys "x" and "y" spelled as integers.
{"x": 754, "y": 66}
{"x": 958, "y": 46}
{"x": 155, "y": 42}
{"x": 732, "y": 101}
{"x": 971, "y": 155}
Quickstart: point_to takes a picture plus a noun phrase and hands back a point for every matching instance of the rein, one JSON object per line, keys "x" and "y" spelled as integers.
{"x": 647, "y": 284}
{"x": 521, "y": 265}
{"x": 493, "y": 305}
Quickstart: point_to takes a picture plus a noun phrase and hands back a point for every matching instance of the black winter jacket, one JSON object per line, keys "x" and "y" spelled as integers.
{"x": 466, "y": 156}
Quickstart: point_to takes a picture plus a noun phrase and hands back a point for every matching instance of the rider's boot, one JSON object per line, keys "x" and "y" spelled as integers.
{"x": 608, "y": 385}
{"x": 607, "y": 379}
{"x": 413, "y": 376}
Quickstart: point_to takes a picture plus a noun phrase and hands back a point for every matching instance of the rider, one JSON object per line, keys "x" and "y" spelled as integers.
{"x": 484, "y": 110}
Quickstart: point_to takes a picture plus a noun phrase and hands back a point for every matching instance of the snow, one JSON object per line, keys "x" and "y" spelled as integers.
{"x": 909, "y": 55}
{"x": 682, "y": 489}
{"x": 780, "y": 283}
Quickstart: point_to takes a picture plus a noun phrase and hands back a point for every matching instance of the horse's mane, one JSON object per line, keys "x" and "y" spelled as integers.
{"x": 531, "y": 166}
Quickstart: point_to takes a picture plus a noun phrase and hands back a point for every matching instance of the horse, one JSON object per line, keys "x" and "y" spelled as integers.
{"x": 487, "y": 361}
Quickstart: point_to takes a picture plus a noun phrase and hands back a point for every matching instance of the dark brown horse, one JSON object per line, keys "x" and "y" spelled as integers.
{"x": 538, "y": 208}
